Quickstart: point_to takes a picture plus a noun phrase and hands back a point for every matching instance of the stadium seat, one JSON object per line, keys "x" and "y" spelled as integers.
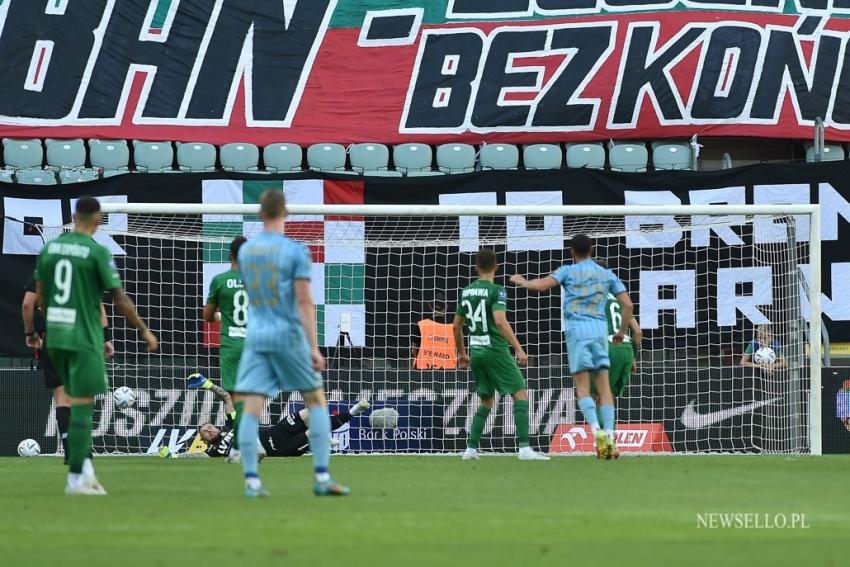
{"x": 281, "y": 157}
{"x": 831, "y": 152}
{"x": 35, "y": 177}
{"x": 371, "y": 159}
{"x": 630, "y": 157}
{"x": 112, "y": 156}
{"x": 77, "y": 175}
{"x": 241, "y": 157}
{"x": 671, "y": 155}
{"x": 589, "y": 155}
{"x": 196, "y": 156}
{"x": 499, "y": 156}
{"x": 414, "y": 160}
{"x": 542, "y": 156}
{"x": 326, "y": 157}
{"x": 455, "y": 158}
{"x": 6, "y": 176}
{"x": 153, "y": 157}
{"x": 22, "y": 154}
{"x": 66, "y": 154}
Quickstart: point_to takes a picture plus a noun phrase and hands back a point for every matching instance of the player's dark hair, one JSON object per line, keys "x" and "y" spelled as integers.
{"x": 235, "y": 246}
{"x": 601, "y": 262}
{"x": 272, "y": 204}
{"x": 86, "y": 208}
{"x": 486, "y": 260}
{"x": 581, "y": 244}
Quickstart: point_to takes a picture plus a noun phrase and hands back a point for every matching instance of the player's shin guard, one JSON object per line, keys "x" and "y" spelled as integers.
{"x": 79, "y": 436}
{"x": 320, "y": 440}
{"x": 521, "y": 422}
{"x": 63, "y": 418}
{"x": 588, "y": 410}
{"x": 477, "y": 429}
{"x": 239, "y": 407}
{"x": 249, "y": 429}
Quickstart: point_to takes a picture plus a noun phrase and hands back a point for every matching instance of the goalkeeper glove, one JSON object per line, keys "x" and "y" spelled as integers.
{"x": 198, "y": 380}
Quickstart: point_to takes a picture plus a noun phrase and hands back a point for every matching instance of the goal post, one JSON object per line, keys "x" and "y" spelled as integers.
{"x": 704, "y": 278}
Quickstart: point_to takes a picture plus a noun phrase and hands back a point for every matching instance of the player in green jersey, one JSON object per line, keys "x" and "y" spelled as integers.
{"x": 72, "y": 273}
{"x": 228, "y": 302}
{"x": 483, "y": 309}
{"x": 622, "y": 355}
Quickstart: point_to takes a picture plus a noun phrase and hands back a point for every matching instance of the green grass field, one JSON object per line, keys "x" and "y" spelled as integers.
{"x": 429, "y": 511}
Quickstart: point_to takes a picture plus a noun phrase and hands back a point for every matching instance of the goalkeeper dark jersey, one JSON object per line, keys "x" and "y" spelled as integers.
{"x": 286, "y": 438}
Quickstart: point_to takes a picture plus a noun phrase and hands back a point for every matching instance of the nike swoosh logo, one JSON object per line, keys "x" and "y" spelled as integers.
{"x": 691, "y": 419}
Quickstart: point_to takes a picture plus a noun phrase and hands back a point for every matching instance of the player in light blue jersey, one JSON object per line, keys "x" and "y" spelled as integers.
{"x": 586, "y": 286}
{"x": 281, "y": 350}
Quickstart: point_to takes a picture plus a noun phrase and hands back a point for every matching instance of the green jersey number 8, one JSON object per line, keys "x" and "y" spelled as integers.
{"x": 477, "y": 316}
{"x": 240, "y": 308}
{"x": 63, "y": 275}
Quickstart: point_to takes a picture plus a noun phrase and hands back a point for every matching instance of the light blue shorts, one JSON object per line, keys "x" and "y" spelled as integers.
{"x": 588, "y": 354}
{"x": 266, "y": 373}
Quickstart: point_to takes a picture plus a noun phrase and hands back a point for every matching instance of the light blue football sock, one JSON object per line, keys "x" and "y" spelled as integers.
{"x": 607, "y": 413}
{"x": 249, "y": 429}
{"x": 588, "y": 410}
{"x": 320, "y": 440}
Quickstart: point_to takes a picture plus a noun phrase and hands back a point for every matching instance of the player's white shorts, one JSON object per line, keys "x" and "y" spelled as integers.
{"x": 267, "y": 373}
{"x": 588, "y": 354}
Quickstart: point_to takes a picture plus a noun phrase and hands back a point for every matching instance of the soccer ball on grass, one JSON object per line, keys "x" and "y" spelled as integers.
{"x": 123, "y": 397}
{"x": 764, "y": 356}
{"x": 28, "y": 448}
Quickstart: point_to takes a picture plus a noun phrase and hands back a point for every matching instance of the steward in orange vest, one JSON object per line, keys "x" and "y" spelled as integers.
{"x": 433, "y": 339}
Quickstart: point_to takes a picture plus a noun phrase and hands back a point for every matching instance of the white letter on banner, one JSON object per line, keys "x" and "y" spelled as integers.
{"x": 837, "y": 308}
{"x": 683, "y": 302}
{"x": 832, "y": 204}
{"x": 729, "y": 302}
{"x": 768, "y": 230}
{"x": 717, "y": 223}
{"x": 469, "y": 241}
{"x": 520, "y": 237}
{"x": 660, "y": 231}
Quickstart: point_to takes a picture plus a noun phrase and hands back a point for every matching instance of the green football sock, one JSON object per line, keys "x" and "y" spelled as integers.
{"x": 477, "y": 427}
{"x": 79, "y": 436}
{"x": 521, "y": 421}
{"x": 240, "y": 407}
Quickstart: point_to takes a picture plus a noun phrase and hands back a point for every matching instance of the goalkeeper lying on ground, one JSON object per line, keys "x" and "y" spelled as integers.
{"x": 287, "y": 438}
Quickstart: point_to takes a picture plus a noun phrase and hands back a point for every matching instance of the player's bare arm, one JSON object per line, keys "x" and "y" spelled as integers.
{"x": 211, "y": 313}
{"x": 307, "y": 314}
{"x": 460, "y": 347}
{"x": 124, "y": 305}
{"x": 627, "y": 308}
{"x": 507, "y": 331}
{"x": 108, "y": 347}
{"x": 28, "y": 306}
{"x": 537, "y": 284}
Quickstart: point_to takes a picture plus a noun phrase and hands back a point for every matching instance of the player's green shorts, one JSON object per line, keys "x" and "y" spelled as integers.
{"x": 495, "y": 370}
{"x": 622, "y": 361}
{"x": 83, "y": 372}
{"x": 229, "y": 363}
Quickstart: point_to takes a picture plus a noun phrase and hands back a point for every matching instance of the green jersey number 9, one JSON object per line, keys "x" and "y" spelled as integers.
{"x": 62, "y": 278}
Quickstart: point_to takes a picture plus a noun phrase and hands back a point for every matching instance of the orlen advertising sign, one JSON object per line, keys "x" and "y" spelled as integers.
{"x": 437, "y": 70}
{"x": 630, "y": 438}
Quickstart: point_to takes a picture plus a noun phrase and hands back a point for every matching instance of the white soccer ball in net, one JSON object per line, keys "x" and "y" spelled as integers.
{"x": 123, "y": 397}
{"x": 383, "y": 418}
{"x": 764, "y": 356}
{"x": 29, "y": 448}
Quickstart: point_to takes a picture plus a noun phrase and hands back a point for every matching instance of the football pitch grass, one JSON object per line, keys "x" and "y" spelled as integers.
{"x": 431, "y": 511}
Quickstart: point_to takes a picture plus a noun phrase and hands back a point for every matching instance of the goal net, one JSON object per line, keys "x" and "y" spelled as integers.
{"x": 707, "y": 290}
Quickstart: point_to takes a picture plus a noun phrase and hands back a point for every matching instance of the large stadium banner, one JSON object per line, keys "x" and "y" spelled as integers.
{"x": 393, "y": 71}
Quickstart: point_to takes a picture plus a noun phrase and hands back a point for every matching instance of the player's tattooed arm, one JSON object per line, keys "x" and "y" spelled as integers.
{"x": 457, "y": 329}
{"x": 501, "y": 319}
{"x": 124, "y": 306}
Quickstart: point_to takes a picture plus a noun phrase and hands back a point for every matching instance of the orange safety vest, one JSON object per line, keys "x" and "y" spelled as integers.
{"x": 437, "y": 347}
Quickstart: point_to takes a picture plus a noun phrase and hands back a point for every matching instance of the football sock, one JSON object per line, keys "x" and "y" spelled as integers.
{"x": 320, "y": 441}
{"x": 477, "y": 429}
{"x": 607, "y": 413}
{"x": 239, "y": 407}
{"x": 79, "y": 436}
{"x": 63, "y": 417}
{"x": 588, "y": 410}
{"x": 249, "y": 430}
{"x": 521, "y": 422}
